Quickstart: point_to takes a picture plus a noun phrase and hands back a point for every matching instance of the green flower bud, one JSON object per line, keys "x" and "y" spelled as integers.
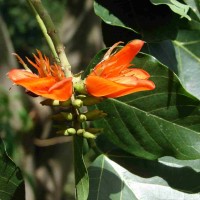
{"x": 50, "y": 102}
{"x": 80, "y": 87}
{"x": 80, "y": 131}
{"x": 89, "y": 135}
{"x": 95, "y": 114}
{"x": 65, "y": 103}
{"x": 77, "y": 103}
{"x": 89, "y": 100}
{"x": 94, "y": 130}
{"x": 81, "y": 96}
{"x": 82, "y": 118}
{"x": 67, "y": 116}
{"x": 69, "y": 131}
{"x": 63, "y": 116}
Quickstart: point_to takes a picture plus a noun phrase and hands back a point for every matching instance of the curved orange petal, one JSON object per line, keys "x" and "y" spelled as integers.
{"x": 100, "y": 87}
{"x": 128, "y": 52}
{"x": 47, "y": 87}
{"x": 61, "y": 91}
{"x": 120, "y": 60}
{"x": 125, "y": 80}
{"x": 17, "y": 74}
{"x": 31, "y": 81}
{"x": 142, "y": 85}
{"x": 139, "y": 73}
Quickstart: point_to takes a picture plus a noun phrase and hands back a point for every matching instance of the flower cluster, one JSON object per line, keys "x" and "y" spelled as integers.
{"x": 110, "y": 78}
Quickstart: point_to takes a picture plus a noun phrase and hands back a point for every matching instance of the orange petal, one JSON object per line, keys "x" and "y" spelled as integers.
{"x": 120, "y": 60}
{"x": 128, "y": 52}
{"x": 61, "y": 91}
{"x": 47, "y": 87}
{"x": 17, "y": 74}
{"x": 100, "y": 87}
{"x": 31, "y": 81}
{"x": 142, "y": 85}
{"x": 139, "y": 73}
{"x": 110, "y": 50}
{"x": 125, "y": 80}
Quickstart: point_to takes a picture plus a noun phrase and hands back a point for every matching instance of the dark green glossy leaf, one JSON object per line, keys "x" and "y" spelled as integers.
{"x": 152, "y": 124}
{"x": 11, "y": 181}
{"x": 152, "y": 23}
{"x": 188, "y": 57}
{"x": 163, "y": 51}
{"x": 81, "y": 174}
{"x": 175, "y": 6}
{"x": 148, "y": 180}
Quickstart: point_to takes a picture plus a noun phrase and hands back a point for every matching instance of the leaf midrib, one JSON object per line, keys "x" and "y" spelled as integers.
{"x": 179, "y": 44}
{"x": 154, "y": 116}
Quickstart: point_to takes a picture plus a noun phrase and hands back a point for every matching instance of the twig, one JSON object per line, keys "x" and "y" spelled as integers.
{"x": 44, "y": 31}
{"x": 52, "y": 141}
{"x": 52, "y": 32}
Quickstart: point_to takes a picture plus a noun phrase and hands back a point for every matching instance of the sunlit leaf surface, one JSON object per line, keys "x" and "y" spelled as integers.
{"x": 148, "y": 180}
{"x": 188, "y": 57}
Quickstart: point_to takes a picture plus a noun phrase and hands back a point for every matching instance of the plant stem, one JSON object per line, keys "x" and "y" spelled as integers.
{"x": 53, "y": 34}
{"x": 44, "y": 31}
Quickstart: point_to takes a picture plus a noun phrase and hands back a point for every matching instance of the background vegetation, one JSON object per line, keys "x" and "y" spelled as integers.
{"x": 152, "y": 152}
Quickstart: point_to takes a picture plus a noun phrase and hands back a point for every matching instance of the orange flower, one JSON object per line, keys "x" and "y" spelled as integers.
{"x": 50, "y": 81}
{"x": 113, "y": 78}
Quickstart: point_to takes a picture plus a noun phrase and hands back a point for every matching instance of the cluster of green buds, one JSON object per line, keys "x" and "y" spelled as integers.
{"x": 72, "y": 120}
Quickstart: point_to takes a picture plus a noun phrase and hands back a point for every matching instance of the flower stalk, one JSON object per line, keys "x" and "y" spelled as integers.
{"x": 53, "y": 34}
{"x": 44, "y": 31}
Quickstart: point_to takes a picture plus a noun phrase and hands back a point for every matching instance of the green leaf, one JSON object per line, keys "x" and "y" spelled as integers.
{"x": 163, "y": 51}
{"x": 81, "y": 174}
{"x": 188, "y": 57}
{"x": 148, "y": 180}
{"x": 11, "y": 180}
{"x": 106, "y": 182}
{"x": 152, "y": 124}
{"x": 153, "y": 23}
{"x": 194, "y": 5}
{"x": 175, "y": 6}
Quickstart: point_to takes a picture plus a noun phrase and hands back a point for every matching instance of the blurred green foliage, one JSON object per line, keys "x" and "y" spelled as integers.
{"x": 6, "y": 130}
{"x": 12, "y": 136}
{"x": 24, "y": 31}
